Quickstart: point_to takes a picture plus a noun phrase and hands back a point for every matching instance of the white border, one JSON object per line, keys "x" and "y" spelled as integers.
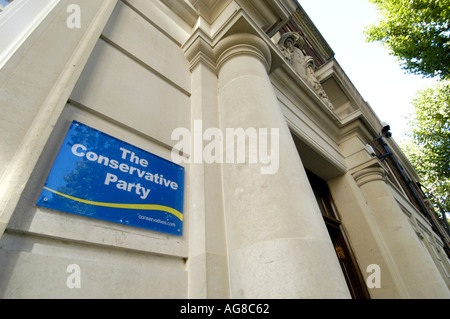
{"x": 17, "y": 21}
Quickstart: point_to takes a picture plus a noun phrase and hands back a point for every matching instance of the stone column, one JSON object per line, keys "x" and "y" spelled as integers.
{"x": 277, "y": 242}
{"x": 416, "y": 268}
{"x": 365, "y": 238}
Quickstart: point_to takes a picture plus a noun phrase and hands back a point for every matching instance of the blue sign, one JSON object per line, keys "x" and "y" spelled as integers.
{"x": 96, "y": 175}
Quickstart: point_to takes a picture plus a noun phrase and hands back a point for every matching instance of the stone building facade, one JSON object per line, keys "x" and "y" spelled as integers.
{"x": 325, "y": 213}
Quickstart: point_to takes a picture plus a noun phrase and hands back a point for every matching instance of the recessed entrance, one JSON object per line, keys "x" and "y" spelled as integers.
{"x": 344, "y": 253}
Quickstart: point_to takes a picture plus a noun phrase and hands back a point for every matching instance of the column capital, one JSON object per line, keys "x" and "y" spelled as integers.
{"x": 370, "y": 174}
{"x": 242, "y": 43}
{"x": 200, "y": 48}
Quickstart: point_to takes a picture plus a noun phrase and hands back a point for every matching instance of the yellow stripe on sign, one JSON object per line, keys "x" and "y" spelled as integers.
{"x": 167, "y": 209}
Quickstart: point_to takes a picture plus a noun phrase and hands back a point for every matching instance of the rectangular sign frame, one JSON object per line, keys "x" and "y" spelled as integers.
{"x": 99, "y": 176}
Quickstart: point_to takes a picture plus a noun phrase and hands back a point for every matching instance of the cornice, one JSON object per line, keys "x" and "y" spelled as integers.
{"x": 301, "y": 18}
{"x": 363, "y": 119}
{"x": 209, "y": 9}
{"x": 304, "y": 95}
{"x": 184, "y": 9}
{"x": 270, "y": 15}
{"x": 356, "y": 124}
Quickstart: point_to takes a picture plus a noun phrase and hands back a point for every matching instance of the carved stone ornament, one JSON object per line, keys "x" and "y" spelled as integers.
{"x": 289, "y": 42}
{"x": 291, "y": 45}
{"x": 314, "y": 82}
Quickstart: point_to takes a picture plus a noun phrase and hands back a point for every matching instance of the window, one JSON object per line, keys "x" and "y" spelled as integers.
{"x": 344, "y": 253}
{"x": 18, "y": 19}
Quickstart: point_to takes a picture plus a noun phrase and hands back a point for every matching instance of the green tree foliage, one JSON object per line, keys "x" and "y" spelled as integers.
{"x": 417, "y": 32}
{"x": 428, "y": 147}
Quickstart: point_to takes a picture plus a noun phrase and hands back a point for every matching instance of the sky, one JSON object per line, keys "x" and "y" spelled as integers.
{"x": 3, "y": 2}
{"x": 377, "y": 76}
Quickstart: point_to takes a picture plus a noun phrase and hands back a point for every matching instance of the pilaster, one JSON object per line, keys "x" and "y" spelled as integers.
{"x": 207, "y": 263}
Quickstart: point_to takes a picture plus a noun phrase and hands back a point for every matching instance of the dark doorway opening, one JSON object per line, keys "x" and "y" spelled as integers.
{"x": 344, "y": 253}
